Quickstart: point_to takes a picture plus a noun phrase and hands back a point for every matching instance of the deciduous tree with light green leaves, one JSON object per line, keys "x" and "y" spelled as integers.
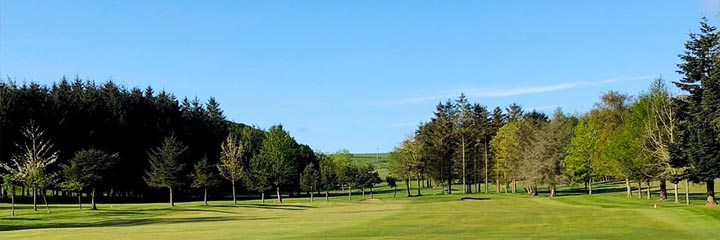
{"x": 507, "y": 151}
{"x": 277, "y": 155}
{"x": 29, "y": 167}
{"x": 404, "y": 162}
{"x": 230, "y": 166}
{"x": 8, "y": 185}
{"x": 328, "y": 174}
{"x": 310, "y": 180}
{"x": 661, "y": 133}
{"x": 582, "y": 152}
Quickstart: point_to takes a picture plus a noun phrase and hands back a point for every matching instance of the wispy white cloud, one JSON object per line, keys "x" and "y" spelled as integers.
{"x": 504, "y": 92}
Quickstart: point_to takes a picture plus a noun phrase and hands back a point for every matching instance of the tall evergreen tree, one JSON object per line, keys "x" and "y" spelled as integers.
{"x": 204, "y": 177}
{"x": 701, "y": 78}
{"x": 463, "y": 131}
{"x": 166, "y": 169}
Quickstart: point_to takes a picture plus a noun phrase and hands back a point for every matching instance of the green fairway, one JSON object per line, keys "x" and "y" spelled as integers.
{"x": 434, "y": 216}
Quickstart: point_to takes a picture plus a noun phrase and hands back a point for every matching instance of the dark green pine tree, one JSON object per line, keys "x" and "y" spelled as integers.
{"x": 204, "y": 177}
{"x": 701, "y": 78}
{"x": 439, "y": 144}
{"x": 87, "y": 170}
{"x": 514, "y": 112}
{"x": 480, "y": 131}
{"x": 166, "y": 168}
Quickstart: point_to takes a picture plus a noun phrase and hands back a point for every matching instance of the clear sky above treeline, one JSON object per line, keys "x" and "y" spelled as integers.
{"x": 356, "y": 75}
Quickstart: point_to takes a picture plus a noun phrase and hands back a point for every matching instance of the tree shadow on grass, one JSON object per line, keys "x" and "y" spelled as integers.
{"x": 210, "y": 210}
{"x": 124, "y": 222}
{"x": 600, "y": 188}
{"x": 474, "y": 199}
{"x": 270, "y": 206}
{"x": 277, "y": 207}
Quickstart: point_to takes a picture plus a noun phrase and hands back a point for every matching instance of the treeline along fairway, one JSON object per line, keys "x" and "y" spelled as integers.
{"x": 77, "y": 115}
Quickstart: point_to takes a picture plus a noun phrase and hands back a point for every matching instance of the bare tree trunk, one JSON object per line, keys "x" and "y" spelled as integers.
{"x": 463, "y": 167}
{"x": 663, "y": 190}
{"x": 279, "y": 196}
{"x": 590, "y": 186}
{"x": 687, "y": 192}
{"x": 363, "y": 192}
{"x": 475, "y": 175}
{"x": 205, "y": 197}
{"x": 677, "y": 198}
{"x": 552, "y": 190}
{"x": 497, "y": 185}
{"x": 79, "y": 198}
{"x": 710, "y": 187}
{"x": 350, "y": 192}
{"x": 418, "y": 183}
{"x": 47, "y": 207}
{"x": 372, "y": 194}
{"x": 327, "y": 195}
{"x": 262, "y": 197}
{"x": 12, "y": 201}
{"x": 648, "y": 189}
{"x": 639, "y": 189}
{"x": 34, "y": 199}
{"x": 172, "y": 204}
{"x": 627, "y": 186}
{"x": 486, "y": 167}
{"x": 92, "y": 199}
{"x": 311, "y": 196}
{"x": 233, "y": 193}
{"x": 407, "y": 186}
{"x": 514, "y": 186}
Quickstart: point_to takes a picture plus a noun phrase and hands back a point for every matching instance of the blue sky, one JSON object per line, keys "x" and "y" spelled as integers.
{"x": 358, "y": 75}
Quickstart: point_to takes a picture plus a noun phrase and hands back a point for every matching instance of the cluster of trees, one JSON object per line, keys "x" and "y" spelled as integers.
{"x": 340, "y": 171}
{"x": 455, "y": 144}
{"x": 76, "y": 138}
{"x": 78, "y": 115}
{"x": 652, "y": 137}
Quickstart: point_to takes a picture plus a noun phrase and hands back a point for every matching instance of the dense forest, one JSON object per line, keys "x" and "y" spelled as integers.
{"x": 78, "y": 139}
{"x": 653, "y": 137}
{"x": 75, "y": 115}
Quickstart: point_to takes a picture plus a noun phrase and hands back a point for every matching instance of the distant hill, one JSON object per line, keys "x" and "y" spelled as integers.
{"x": 379, "y": 160}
